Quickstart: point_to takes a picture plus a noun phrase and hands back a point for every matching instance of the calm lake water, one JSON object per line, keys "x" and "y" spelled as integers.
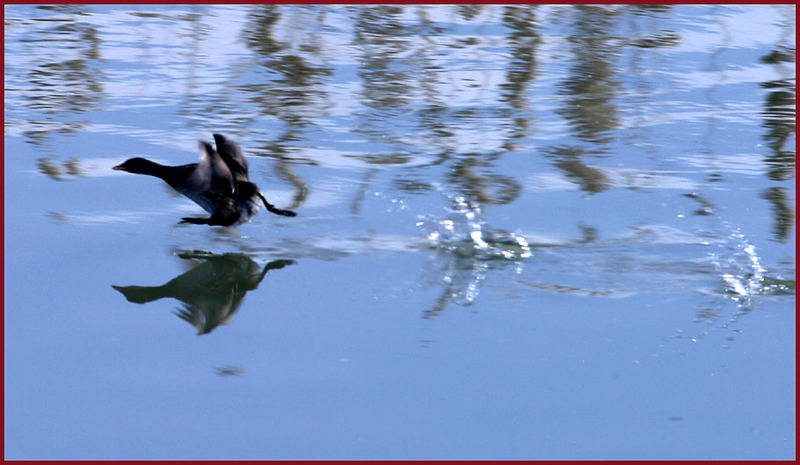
{"x": 523, "y": 232}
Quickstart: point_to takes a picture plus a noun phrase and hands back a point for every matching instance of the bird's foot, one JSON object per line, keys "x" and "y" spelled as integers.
{"x": 195, "y": 220}
{"x": 274, "y": 209}
{"x": 279, "y": 211}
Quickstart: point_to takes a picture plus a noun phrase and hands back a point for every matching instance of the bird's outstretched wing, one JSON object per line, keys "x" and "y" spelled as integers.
{"x": 210, "y": 184}
{"x": 232, "y": 155}
{"x": 214, "y": 170}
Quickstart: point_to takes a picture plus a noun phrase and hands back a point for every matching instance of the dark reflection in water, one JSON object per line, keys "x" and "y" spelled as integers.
{"x": 386, "y": 78}
{"x": 391, "y": 70}
{"x": 779, "y": 121}
{"x": 60, "y": 171}
{"x": 523, "y": 41}
{"x": 402, "y": 81}
{"x": 60, "y": 86}
{"x": 212, "y": 291}
{"x": 70, "y": 81}
{"x": 291, "y": 76}
{"x": 229, "y": 370}
{"x": 706, "y": 207}
{"x": 661, "y": 39}
{"x": 290, "y": 87}
{"x": 782, "y": 211}
{"x": 591, "y": 87}
{"x": 568, "y": 160}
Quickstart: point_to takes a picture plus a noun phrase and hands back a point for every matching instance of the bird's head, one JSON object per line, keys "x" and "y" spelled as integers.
{"x": 137, "y": 165}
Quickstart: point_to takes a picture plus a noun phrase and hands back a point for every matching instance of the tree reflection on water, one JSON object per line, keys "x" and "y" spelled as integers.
{"x": 411, "y": 100}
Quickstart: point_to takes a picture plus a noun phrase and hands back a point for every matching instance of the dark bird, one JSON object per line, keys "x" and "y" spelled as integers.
{"x": 218, "y": 182}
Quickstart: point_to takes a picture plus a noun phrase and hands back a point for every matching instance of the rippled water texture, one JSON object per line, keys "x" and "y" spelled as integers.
{"x": 523, "y": 232}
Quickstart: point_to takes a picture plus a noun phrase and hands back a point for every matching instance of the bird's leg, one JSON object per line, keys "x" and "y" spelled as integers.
{"x": 196, "y": 220}
{"x": 275, "y": 209}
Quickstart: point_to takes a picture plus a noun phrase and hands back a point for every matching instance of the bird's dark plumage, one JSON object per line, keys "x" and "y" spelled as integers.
{"x": 218, "y": 182}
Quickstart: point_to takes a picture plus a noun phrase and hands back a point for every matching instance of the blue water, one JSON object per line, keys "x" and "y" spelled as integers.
{"x": 523, "y": 232}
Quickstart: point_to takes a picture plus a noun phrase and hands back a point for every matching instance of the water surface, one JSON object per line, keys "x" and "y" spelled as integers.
{"x": 523, "y": 232}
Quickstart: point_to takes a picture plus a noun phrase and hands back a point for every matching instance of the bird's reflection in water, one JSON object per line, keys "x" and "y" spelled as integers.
{"x": 212, "y": 291}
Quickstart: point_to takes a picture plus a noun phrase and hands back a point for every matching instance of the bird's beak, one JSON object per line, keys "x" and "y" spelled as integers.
{"x": 118, "y": 168}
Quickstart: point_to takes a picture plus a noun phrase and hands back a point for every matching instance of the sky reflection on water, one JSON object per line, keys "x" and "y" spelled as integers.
{"x": 527, "y": 231}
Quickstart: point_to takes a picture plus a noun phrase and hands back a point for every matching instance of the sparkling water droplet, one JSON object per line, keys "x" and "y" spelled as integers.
{"x": 477, "y": 238}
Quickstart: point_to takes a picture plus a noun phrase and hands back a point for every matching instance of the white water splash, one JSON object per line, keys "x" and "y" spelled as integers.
{"x": 465, "y": 232}
{"x": 468, "y": 248}
{"x": 740, "y": 269}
